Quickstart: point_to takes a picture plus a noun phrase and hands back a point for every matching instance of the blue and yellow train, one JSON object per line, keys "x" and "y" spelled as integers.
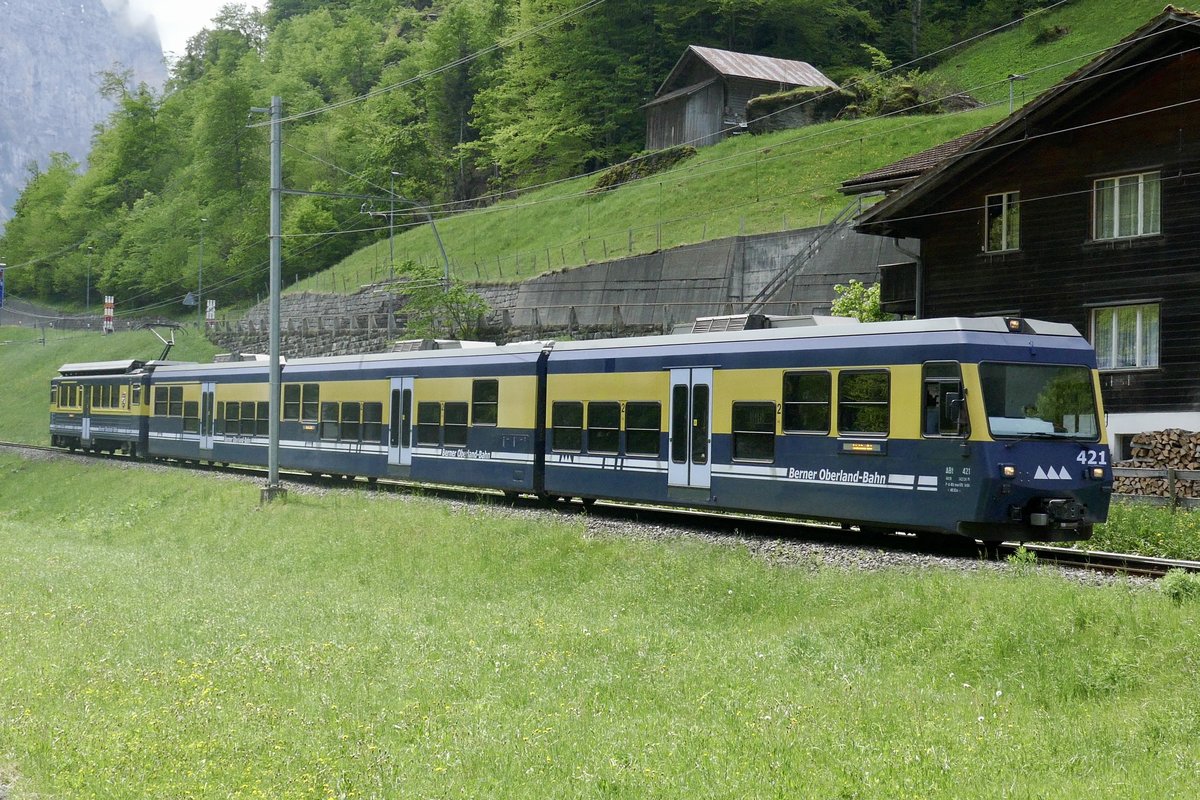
{"x": 990, "y": 428}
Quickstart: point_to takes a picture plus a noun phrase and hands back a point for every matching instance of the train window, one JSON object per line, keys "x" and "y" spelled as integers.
{"x": 406, "y": 419}
{"x": 942, "y": 399}
{"x": 219, "y": 419}
{"x": 456, "y": 425}
{"x": 175, "y": 407}
{"x": 232, "y": 413}
{"x": 806, "y": 398}
{"x": 566, "y": 422}
{"x": 291, "y": 402}
{"x": 372, "y": 417}
{"x": 679, "y": 424}
{"x": 136, "y": 395}
{"x": 249, "y": 423}
{"x": 262, "y": 426}
{"x": 863, "y": 405}
{"x": 604, "y": 427}
{"x": 110, "y": 396}
{"x": 191, "y": 417}
{"x": 429, "y": 423}
{"x": 160, "y": 401}
{"x": 700, "y": 405}
{"x": 643, "y": 427}
{"x": 351, "y": 422}
{"x": 329, "y": 421}
{"x": 485, "y": 402}
{"x": 754, "y": 431}
{"x": 309, "y": 402}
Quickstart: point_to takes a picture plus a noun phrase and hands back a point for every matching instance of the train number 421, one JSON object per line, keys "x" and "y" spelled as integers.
{"x": 1093, "y": 458}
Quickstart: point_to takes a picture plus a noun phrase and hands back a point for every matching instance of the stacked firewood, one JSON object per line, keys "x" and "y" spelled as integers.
{"x": 1167, "y": 449}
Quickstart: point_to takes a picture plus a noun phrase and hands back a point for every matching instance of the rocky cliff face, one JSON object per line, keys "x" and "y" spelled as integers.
{"x": 51, "y": 53}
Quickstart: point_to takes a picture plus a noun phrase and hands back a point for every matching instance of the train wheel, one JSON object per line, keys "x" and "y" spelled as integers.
{"x": 588, "y": 502}
{"x": 511, "y": 497}
{"x": 989, "y": 549}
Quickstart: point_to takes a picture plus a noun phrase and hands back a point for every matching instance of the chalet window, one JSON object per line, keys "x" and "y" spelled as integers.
{"x": 1126, "y": 337}
{"x": 1128, "y": 206}
{"x": 1002, "y": 216}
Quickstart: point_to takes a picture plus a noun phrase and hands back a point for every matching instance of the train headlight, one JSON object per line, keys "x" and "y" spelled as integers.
{"x": 1008, "y": 471}
{"x": 1098, "y": 473}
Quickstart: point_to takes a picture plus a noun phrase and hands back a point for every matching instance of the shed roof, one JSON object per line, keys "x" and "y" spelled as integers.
{"x": 746, "y": 65}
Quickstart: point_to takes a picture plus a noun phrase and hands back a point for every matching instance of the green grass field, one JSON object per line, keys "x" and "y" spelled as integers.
{"x": 164, "y": 637}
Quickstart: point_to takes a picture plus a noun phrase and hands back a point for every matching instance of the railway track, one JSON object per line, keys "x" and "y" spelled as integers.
{"x": 768, "y": 527}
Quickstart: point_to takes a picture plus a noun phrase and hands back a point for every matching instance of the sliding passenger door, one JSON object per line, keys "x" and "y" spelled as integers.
{"x": 400, "y": 427}
{"x": 208, "y": 393}
{"x": 690, "y": 463}
{"x": 85, "y": 419}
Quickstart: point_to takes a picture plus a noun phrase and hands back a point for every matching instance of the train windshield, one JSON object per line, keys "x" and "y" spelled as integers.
{"x": 1039, "y": 401}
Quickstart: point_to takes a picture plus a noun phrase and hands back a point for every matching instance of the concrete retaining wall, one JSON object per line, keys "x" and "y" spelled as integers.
{"x": 629, "y": 296}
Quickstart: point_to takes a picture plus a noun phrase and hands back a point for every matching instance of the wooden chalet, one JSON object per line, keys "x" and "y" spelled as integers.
{"x": 704, "y": 97}
{"x": 1082, "y": 207}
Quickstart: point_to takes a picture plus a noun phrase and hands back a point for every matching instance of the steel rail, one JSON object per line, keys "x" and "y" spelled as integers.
{"x": 749, "y": 524}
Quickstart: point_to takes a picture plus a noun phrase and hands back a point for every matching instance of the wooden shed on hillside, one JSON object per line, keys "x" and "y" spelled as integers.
{"x": 705, "y": 96}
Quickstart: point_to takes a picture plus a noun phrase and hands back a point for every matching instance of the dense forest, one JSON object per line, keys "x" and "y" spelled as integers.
{"x": 450, "y": 102}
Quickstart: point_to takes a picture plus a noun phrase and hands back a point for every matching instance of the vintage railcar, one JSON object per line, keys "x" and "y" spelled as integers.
{"x": 988, "y": 428}
{"x": 98, "y": 406}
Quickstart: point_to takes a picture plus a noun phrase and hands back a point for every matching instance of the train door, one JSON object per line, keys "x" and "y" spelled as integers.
{"x": 85, "y": 417}
{"x": 690, "y": 463}
{"x": 208, "y": 393}
{"x": 400, "y": 427}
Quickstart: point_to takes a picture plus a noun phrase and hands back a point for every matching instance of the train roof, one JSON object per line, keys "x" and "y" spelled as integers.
{"x": 950, "y": 326}
{"x": 101, "y": 367}
{"x": 122, "y": 367}
{"x": 521, "y": 352}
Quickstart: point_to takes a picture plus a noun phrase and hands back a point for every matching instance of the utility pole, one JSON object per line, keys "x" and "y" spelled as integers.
{"x": 391, "y": 226}
{"x": 200, "y": 280}
{"x": 87, "y": 299}
{"x": 273, "y": 490}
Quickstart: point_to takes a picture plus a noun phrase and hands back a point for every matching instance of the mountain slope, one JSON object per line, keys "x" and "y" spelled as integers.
{"x": 51, "y": 55}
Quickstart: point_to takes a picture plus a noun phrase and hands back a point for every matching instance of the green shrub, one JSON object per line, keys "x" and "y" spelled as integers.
{"x": 1181, "y": 586}
{"x": 1149, "y": 531}
{"x": 643, "y": 165}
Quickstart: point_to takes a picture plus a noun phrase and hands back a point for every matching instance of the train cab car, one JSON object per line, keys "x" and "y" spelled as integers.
{"x": 463, "y": 416}
{"x": 990, "y": 428}
{"x": 100, "y": 407}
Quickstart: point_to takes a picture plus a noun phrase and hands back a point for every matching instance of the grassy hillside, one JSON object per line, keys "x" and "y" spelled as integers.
{"x": 164, "y": 638}
{"x": 748, "y": 184}
{"x": 28, "y": 363}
